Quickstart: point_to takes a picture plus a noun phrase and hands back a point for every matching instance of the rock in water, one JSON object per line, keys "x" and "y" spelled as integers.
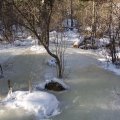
{"x": 55, "y": 86}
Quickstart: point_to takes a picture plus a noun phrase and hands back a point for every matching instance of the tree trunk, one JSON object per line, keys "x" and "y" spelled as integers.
{"x": 60, "y": 75}
{"x": 58, "y": 62}
{"x": 93, "y": 23}
{"x": 71, "y": 5}
{"x": 1, "y": 70}
{"x": 111, "y": 34}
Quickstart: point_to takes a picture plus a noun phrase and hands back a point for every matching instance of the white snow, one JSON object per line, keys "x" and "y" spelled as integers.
{"x": 38, "y": 49}
{"x": 105, "y": 59}
{"x": 29, "y": 37}
{"x": 88, "y": 28}
{"x": 109, "y": 66}
{"x": 69, "y": 37}
{"x": 103, "y": 41}
{"x": 42, "y": 104}
{"x": 41, "y": 86}
{"x": 77, "y": 42}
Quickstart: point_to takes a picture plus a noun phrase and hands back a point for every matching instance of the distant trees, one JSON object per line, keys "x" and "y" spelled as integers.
{"x": 114, "y": 31}
{"x": 35, "y": 16}
{"x": 7, "y": 20}
{"x": 100, "y": 19}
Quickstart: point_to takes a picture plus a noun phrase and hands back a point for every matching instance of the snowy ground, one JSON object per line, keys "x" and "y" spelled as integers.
{"x": 109, "y": 66}
{"x": 105, "y": 61}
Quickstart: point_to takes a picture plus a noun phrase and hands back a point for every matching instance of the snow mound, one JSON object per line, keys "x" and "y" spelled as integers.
{"x": 42, "y": 104}
{"x": 77, "y": 42}
{"x": 41, "y": 86}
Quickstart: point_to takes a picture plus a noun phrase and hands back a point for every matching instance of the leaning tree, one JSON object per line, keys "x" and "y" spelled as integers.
{"x": 35, "y": 16}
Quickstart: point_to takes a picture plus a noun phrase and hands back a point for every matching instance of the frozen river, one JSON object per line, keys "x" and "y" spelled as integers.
{"x": 93, "y": 90}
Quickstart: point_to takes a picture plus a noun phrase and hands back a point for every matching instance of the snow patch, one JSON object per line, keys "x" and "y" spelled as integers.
{"x": 38, "y": 49}
{"x": 88, "y": 28}
{"x": 42, "y": 104}
{"x": 29, "y": 37}
{"x": 109, "y": 66}
{"x": 103, "y": 41}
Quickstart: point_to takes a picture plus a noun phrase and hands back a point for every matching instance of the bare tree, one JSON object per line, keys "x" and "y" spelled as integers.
{"x": 60, "y": 47}
{"x": 112, "y": 34}
{"x": 36, "y": 17}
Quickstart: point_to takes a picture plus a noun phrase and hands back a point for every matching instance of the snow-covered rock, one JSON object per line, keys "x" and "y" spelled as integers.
{"x": 41, "y": 86}
{"x": 76, "y": 43}
{"x": 42, "y": 104}
{"x": 51, "y": 62}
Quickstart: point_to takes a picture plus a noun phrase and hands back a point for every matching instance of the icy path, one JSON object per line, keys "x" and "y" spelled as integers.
{"x": 93, "y": 94}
